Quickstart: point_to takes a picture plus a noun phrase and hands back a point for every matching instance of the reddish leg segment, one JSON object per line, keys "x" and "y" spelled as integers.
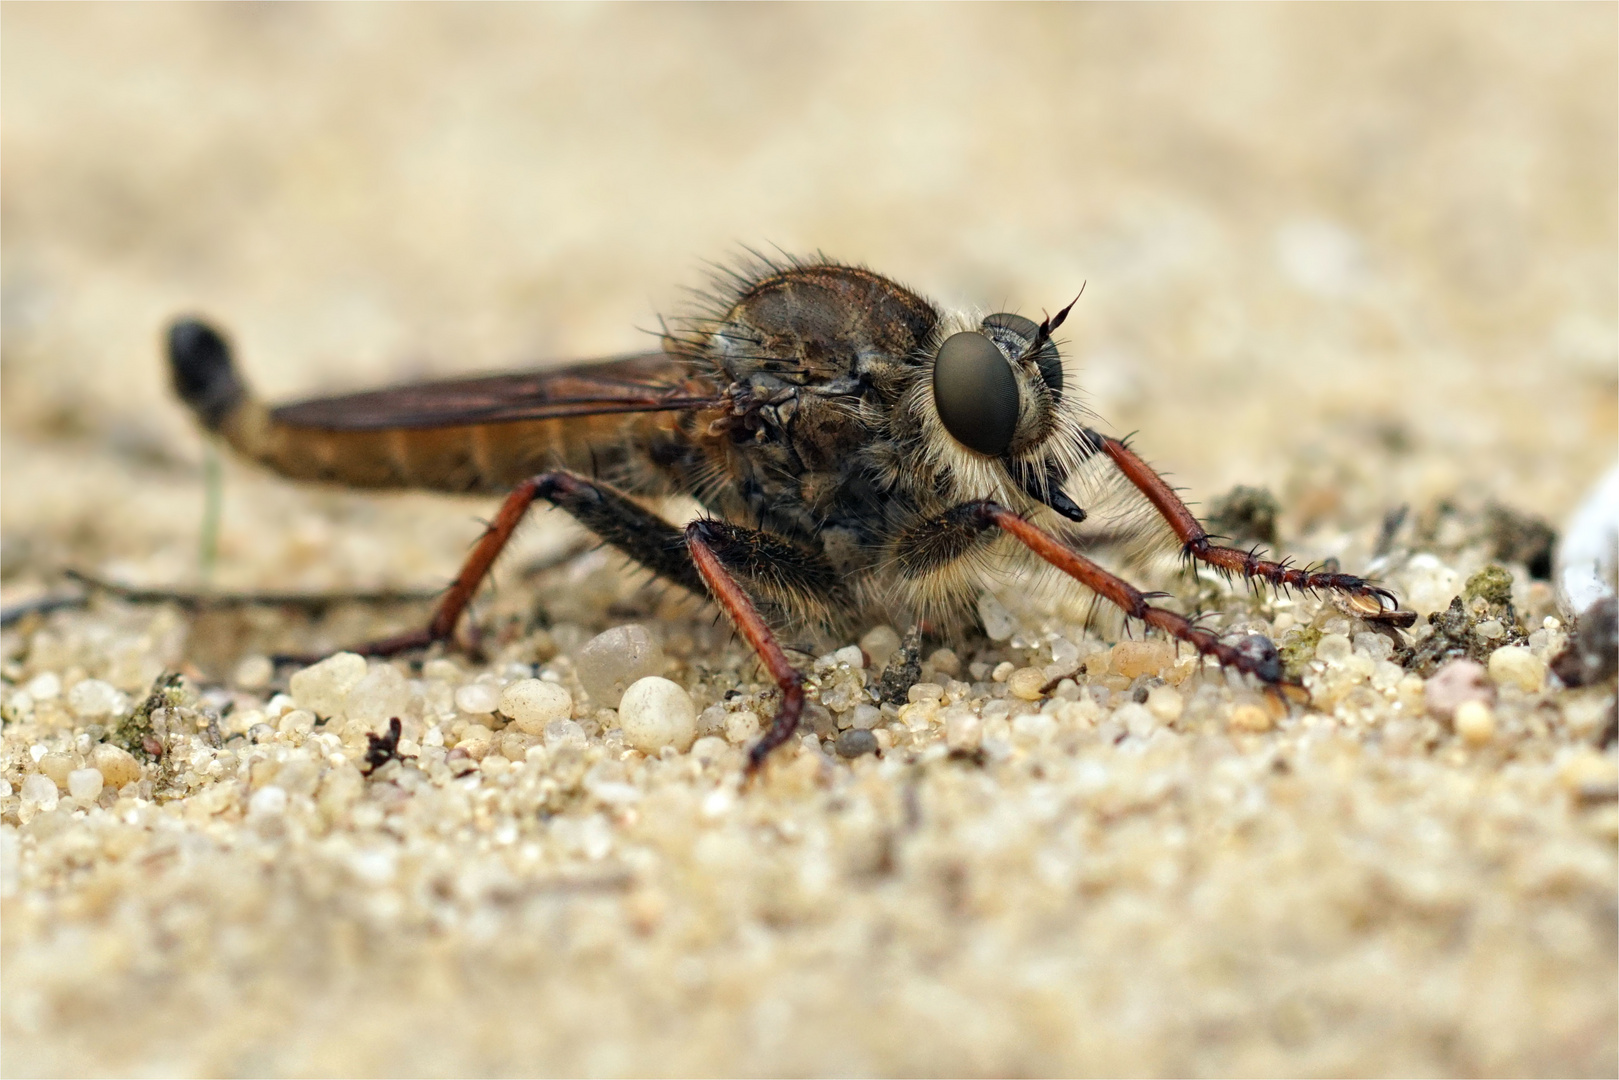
{"x": 1131, "y": 600}
{"x": 729, "y": 595}
{"x": 1197, "y": 545}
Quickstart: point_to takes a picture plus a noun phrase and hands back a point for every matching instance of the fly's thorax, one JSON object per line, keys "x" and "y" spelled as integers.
{"x": 810, "y": 325}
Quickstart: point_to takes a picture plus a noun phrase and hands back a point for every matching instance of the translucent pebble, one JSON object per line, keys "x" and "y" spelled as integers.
{"x": 850, "y": 655}
{"x": 1027, "y": 683}
{"x": 855, "y": 742}
{"x": 1065, "y": 655}
{"x": 1429, "y": 585}
{"x": 609, "y": 662}
{"x": 711, "y": 721}
{"x": 116, "y": 765}
{"x": 321, "y": 687}
{"x": 1374, "y": 645}
{"x": 963, "y": 730}
{"x": 1456, "y": 682}
{"x": 564, "y": 733}
{"x": 1133, "y": 658}
{"x": 1490, "y": 629}
{"x": 709, "y": 749}
{"x": 842, "y": 695}
{"x": 655, "y": 713}
{"x": 1334, "y": 649}
{"x": 999, "y": 623}
{"x": 1387, "y": 675}
{"x": 84, "y": 784}
{"x": 253, "y": 673}
{"x": 92, "y": 698}
{"x": 1166, "y": 703}
{"x": 879, "y": 643}
{"x": 864, "y": 717}
{"x": 741, "y": 727}
{"x": 475, "y": 741}
{"x": 40, "y": 791}
{"x": 381, "y": 695}
{"x": 1003, "y": 671}
{"x": 1475, "y": 722}
{"x": 925, "y": 692}
{"x": 267, "y": 801}
{"x": 532, "y": 704}
{"x": 478, "y": 698}
{"x": 57, "y": 767}
{"x": 296, "y": 722}
{"x": 945, "y": 662}
{"x": 46, "y": 686}
{"x": 1515, "y": 665}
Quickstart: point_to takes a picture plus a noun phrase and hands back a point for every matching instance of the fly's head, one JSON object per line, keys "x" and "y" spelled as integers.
{"x": 996, "y": 409}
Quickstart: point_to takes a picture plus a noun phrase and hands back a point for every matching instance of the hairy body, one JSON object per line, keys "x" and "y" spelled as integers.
{"x": 859, "y": 451}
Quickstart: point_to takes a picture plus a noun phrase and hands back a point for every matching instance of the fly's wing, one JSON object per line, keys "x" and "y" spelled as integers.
{"x": 647, "y": 382}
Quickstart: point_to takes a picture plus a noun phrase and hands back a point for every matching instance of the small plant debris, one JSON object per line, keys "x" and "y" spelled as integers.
{"x": 140, "y": 732}
{"x": 1475, "y": 624}
{"x": 903, "y": 670}
{"x": 381, "y": 749}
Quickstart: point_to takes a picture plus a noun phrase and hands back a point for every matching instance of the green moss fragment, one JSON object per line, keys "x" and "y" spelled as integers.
{"x": 1492, "y": 585}
{"x": 1297, "y": 648}
{"x": 134, "y": 733}
{"x": 1487, "y": 596}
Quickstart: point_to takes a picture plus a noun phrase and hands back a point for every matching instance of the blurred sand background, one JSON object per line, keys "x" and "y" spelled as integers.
{"x": 1362, "y": 255}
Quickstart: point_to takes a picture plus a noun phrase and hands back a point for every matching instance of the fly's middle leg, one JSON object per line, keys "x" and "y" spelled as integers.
{"x": 723, "y": 553}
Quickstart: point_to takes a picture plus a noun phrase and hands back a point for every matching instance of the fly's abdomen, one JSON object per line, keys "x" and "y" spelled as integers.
{"x": 451, "y": 457}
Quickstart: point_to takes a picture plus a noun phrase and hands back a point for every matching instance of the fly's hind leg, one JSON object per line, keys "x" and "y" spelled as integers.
{"x": 617, "y": 519}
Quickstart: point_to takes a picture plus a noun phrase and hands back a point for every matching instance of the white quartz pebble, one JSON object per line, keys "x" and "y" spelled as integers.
{"x": 381, "y": 695}
{"x": 478, "y": 698}
{"x": 84, "y": 784}
{"x": 655, "y": 713}
{"x": 39, "y": 789}
{"x": 533, "y": 703}
{"x": 92, "y": 699}
{"x": 321, "y": 688}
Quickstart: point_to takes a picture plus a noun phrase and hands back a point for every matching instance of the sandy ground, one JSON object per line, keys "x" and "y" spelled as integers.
{"x": 1362, "y": 257}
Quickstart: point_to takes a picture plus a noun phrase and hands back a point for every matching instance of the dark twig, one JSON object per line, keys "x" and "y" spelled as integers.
{"x": 208, "y": 601}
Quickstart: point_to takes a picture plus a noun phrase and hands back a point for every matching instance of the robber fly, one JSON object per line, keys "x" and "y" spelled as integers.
{"x": 857, "y": 450}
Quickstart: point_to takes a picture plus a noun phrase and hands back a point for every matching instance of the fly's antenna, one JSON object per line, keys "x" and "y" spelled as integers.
{"x": 1049, "y": 324}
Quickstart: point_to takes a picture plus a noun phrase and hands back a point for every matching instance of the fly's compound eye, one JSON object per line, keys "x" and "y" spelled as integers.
{"x": 1019, "y": 334}
{"x": 976, "y": 393}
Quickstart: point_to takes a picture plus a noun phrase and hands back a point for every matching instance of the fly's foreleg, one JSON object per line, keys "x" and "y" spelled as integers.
{"x": 722, "y": 553}
{"x": 1195, "y": 541}
{"x": 934, "y": 544}
{"x": 634, "y": 530}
